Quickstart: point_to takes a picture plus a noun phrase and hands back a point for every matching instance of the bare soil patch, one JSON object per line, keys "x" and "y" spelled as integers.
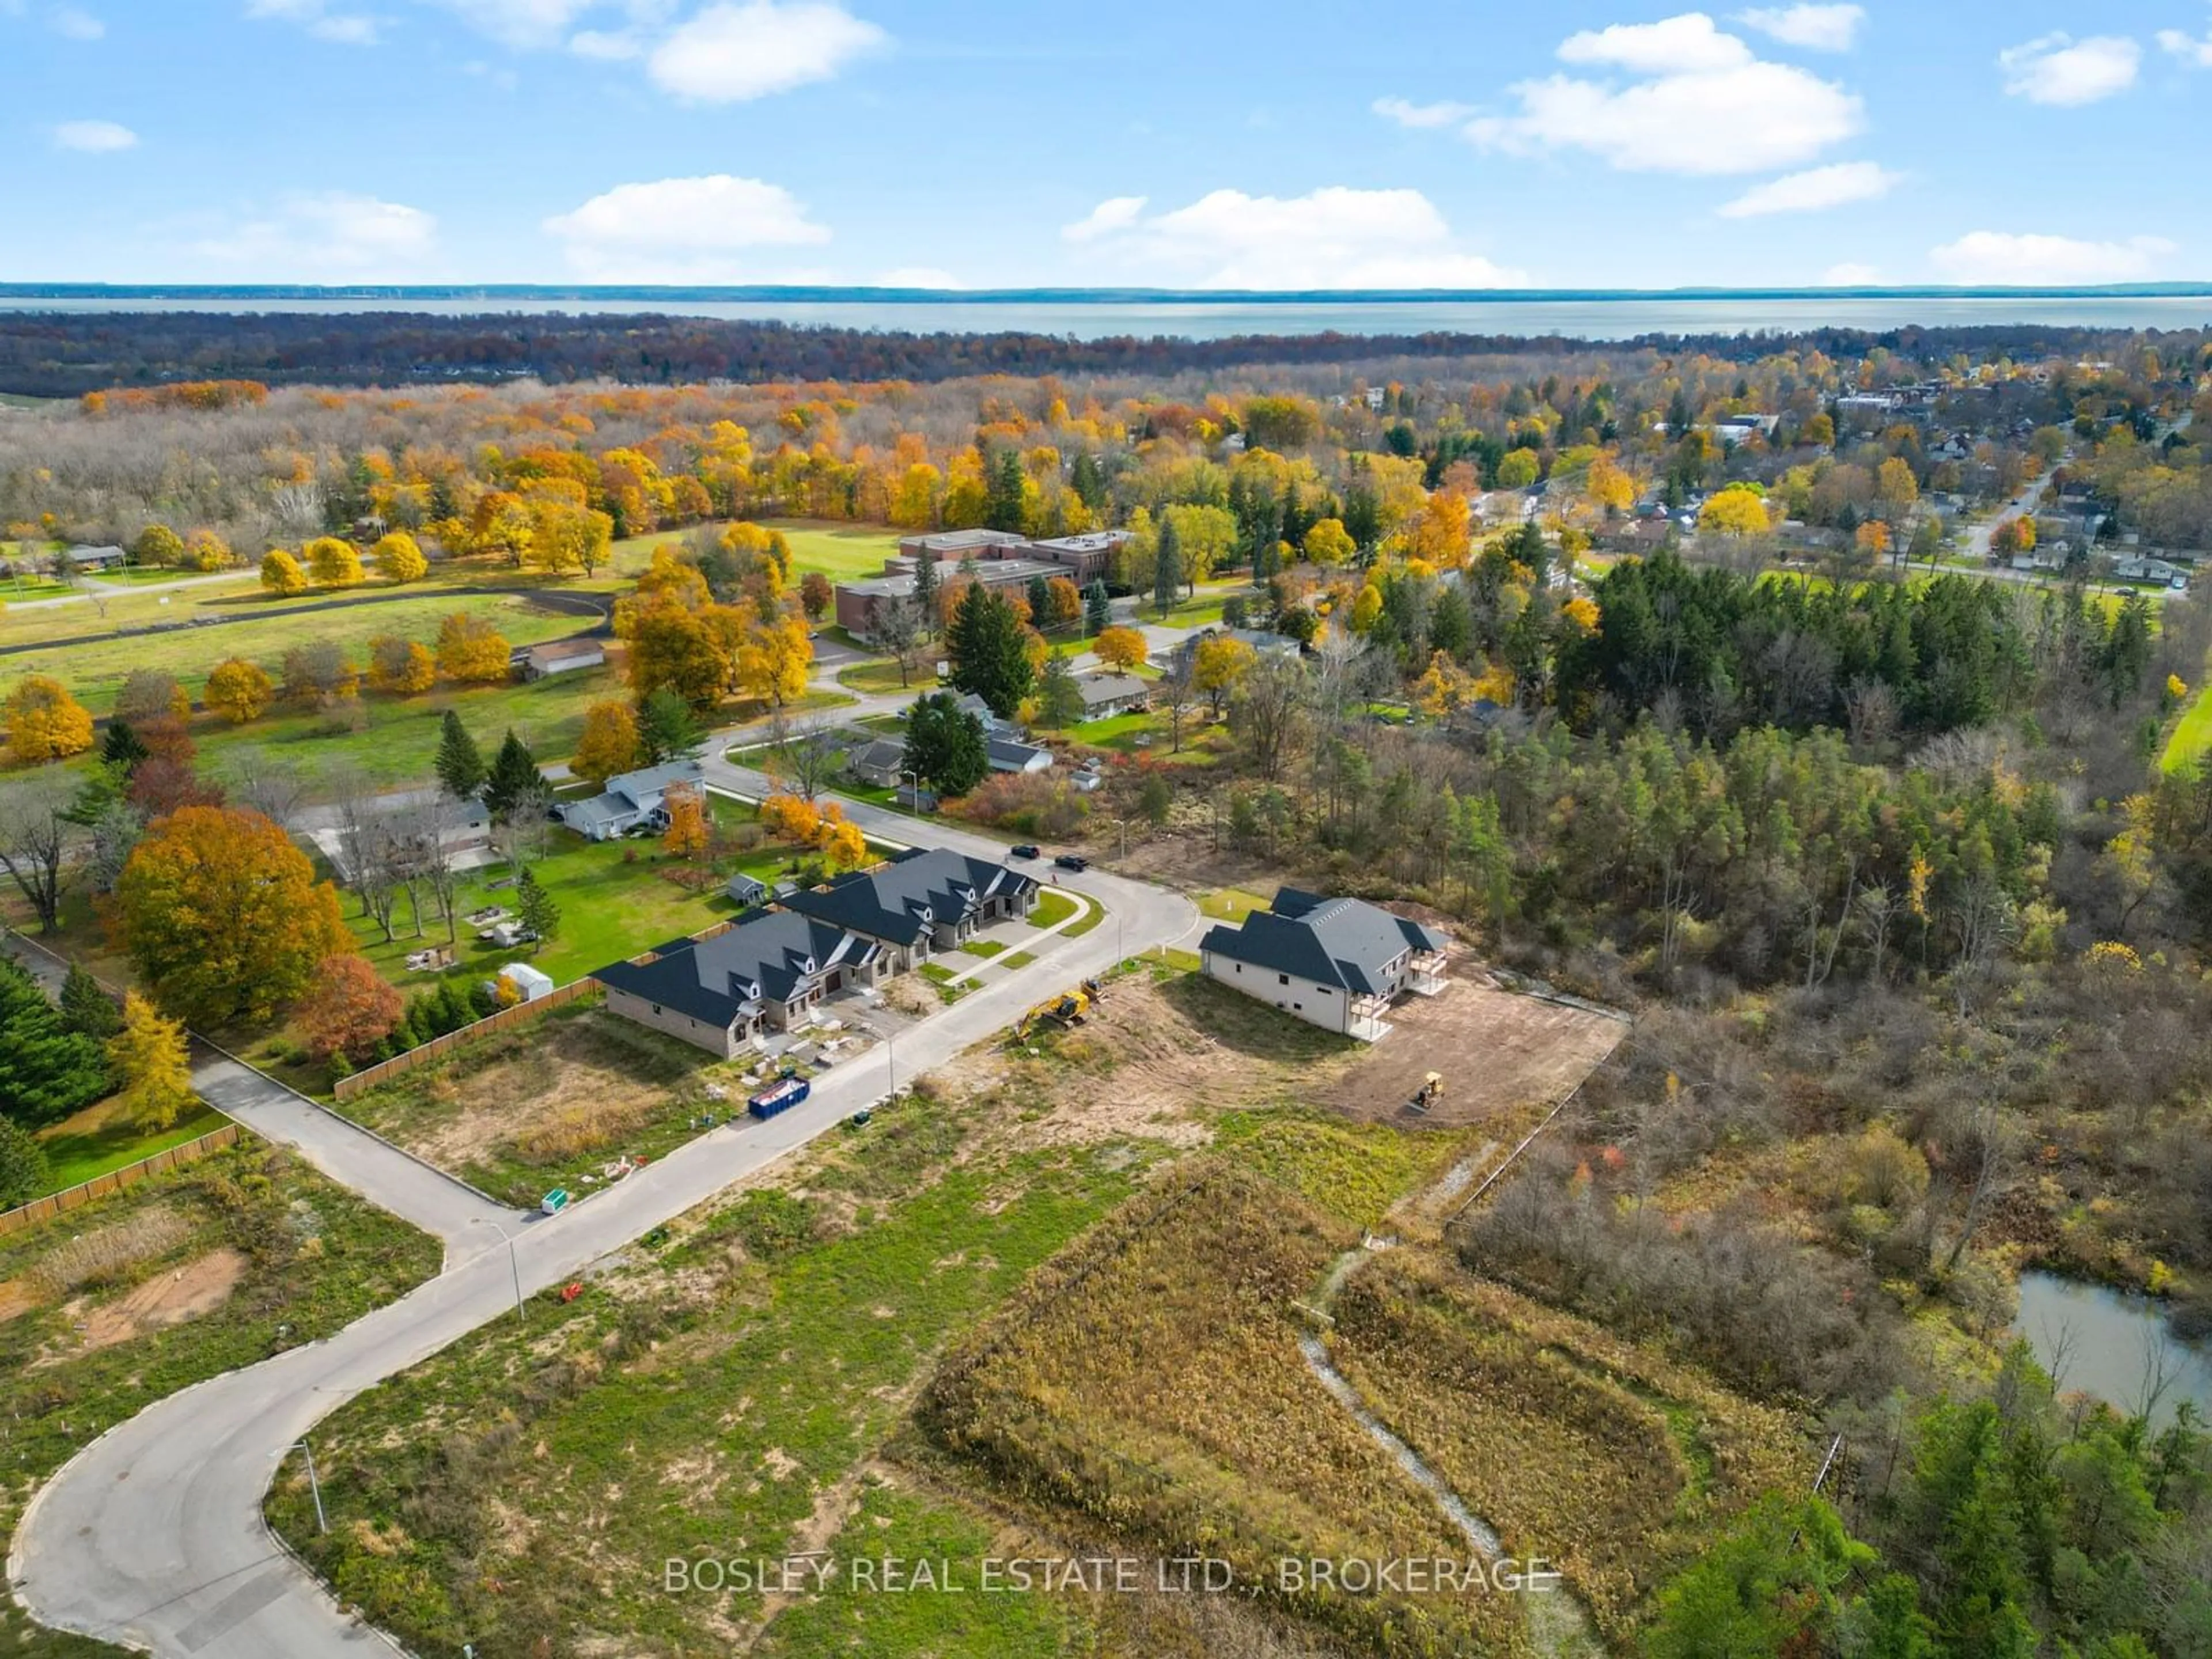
{"x": 199, "y": 1287}
{"x": 1498, "y": 1053}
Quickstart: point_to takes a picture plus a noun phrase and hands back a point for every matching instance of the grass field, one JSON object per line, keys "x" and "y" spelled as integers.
{"x": 725, "y": 1395}
{"x": 839, "y": 551}
{"x": 2192, "y": 733}
{"x": 392, "y": 740}
{"x": 1231, "y": 903}
{"x": 877, "y": 678}
{"x": 192, "y": 1274}
{"x": 613, "y": 899}
{"x": 94, "y": 669}
{"x": 98, "y": 1138}
{"x": 550, "y": 1103}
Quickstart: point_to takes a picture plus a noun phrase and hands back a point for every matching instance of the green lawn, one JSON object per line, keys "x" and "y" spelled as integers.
{"x": 141, "y": 575}
{"x": 19, "y": 588}
{"x": 1231, "y": 904}
{"x": 96, "y": 1139}
{"x": 94, "y": 670}
{"x": 1148, "y": 731}
{"x": 840, "y": 551}
{"x": 1051, "y": 908}
{"x": 876, "y": 679}
{"x": 613, "y": 899}
{"x": 2192, "y": 733}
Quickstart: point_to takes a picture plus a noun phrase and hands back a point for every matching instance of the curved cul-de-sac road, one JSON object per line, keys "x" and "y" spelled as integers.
{"x": 152, "y": 1537}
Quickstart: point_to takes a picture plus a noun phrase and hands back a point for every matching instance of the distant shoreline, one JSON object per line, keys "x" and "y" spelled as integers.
{"x": 600, "y": 294}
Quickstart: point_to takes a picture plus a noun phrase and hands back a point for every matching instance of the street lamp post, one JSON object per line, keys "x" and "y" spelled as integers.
{"x": 315, "y": 1485}
{"x": 513, "y": 1266}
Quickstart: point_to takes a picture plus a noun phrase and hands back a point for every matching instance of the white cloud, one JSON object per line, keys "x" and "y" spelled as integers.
{"x": 323, "y": 235}
{"x": 73, "y": 24}
{"x": 682, "y": 230}
{"x": 1331, "y": 238}
{"x": 1816, "y": 28}
{"x": 728, "y": 52}
{"x": 2060, "y": 70}
{"x": 1686, "y": 44}
{"x": 2193, "y": 51}
{"x": 1848, "y": 275}
{"x": 1995, "y": 258}
{"x": 1811, "y": 192}
{"x": 95, "y": 138}
{"x": 341, "y": 28}
{"x": 1708, "y": 105}
{"x": 1115, "y": 213}
{"x": 1407, "y": 113}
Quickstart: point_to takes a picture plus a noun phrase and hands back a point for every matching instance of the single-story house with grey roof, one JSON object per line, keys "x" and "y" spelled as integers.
{"x": 765, "y": 972}
{"x": 748, "y": 890}
{"x": 878, "y": 762}
{"x": 568, "y": 656}
{"x": 630, "y": 800}
{"x": 1111, "y": 693}
{"x": 1011, "y": 755}
{"x": 1335, "y": 962}
{"x": 921, "y": 900}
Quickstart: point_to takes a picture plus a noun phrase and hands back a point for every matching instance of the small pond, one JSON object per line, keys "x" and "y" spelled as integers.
{"x": 2099, "y": 1341}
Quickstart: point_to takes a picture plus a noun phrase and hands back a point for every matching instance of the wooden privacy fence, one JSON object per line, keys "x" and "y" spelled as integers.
{"x": 385, "y": 1070}
{"x": 70, "y": 1198}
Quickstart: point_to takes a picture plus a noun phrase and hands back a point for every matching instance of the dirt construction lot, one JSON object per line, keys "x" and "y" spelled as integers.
{"x": 1497, "y": 1051}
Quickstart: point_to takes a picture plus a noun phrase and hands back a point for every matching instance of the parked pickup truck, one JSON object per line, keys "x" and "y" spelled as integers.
{"x": 780, "y": 1096}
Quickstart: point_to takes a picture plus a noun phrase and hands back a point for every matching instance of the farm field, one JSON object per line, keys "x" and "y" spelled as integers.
{"x": 190, "y": 1274}
{"x": 94, "y": 669}
{"x": 2192, "y": 733}
{"x": 839, "y": 551}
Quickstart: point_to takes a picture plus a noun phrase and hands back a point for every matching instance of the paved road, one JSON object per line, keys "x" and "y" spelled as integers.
{"x": 381, "y": 1173}
{"x": 153, "y": 1535}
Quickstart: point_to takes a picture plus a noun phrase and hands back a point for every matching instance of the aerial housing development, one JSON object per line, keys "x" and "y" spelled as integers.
{"x": 1166, "y": 901}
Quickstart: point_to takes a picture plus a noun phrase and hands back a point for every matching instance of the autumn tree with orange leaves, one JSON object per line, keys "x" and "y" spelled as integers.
{"x": 223, "y": 916}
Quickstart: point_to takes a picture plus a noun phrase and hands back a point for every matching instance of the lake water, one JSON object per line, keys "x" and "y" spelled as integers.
{"x": 1198, "y": 317}
{"x": 2103, "y": 1343}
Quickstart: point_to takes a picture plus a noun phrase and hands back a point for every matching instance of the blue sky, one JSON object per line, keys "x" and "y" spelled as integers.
{"x": 997, "y": 143}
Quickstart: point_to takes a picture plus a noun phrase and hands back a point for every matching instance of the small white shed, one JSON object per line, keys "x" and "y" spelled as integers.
{"x": 533, "y": 982}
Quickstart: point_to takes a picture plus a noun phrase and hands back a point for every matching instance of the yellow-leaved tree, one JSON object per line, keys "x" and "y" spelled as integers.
{"x": 1739, "y": 510}
{"x": 152, "y": 1064}
{"x": 239, "y": 691}
{"x": 608, "y": 745}
{"x": 399, "y": 558}
{"x": 281, "y": 574}
{"x": 45, "y": 723}
{"x": 471, "y": 650}
{"x": 687, "y": 834}
{"x": 333, "y": 561}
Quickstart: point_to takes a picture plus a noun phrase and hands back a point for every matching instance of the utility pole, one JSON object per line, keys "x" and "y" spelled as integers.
{"x": 315, "y": 1485}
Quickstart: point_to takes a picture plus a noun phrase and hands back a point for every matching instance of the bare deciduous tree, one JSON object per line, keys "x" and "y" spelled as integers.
{"x": 39, "y": 843}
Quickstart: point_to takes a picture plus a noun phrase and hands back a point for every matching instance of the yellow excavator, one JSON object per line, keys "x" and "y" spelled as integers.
{"x": 1068, "y": 1010}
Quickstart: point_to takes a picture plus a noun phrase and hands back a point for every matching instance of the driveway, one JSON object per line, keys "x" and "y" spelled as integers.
{"x": 152, "y": 1535}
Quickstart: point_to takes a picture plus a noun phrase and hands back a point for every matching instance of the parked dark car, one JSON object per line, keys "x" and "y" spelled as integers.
{"x": 1072, "y": 861}
{"x": 1024, "y": 851}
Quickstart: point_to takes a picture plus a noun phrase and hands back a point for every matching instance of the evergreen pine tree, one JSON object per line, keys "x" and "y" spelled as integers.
{"x": 1060, "y": 700}
{"x": 945, "y": 745}
{"x": 1098, "y": 609}
{"x": 1003, "y": 491}
{"x": 513, "y": 777}
{"x": 925, "y": 589}
{"x": 1040, "y": 601}
{"x": 460, "y": 767}
{"x": 123, "y": 748}
{"x": 46, "y": 1070}
{"x": 1167, "y": 574}
{"x": 990, "y": 651}
{"x": 23, "y": 1171}
{"x": 538, "y": 912}
{"x": 667, "y": 726}
{"x": 87, "y": 1009}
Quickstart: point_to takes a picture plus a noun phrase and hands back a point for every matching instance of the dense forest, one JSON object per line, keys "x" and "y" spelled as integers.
{"x": 64, "y": 353}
